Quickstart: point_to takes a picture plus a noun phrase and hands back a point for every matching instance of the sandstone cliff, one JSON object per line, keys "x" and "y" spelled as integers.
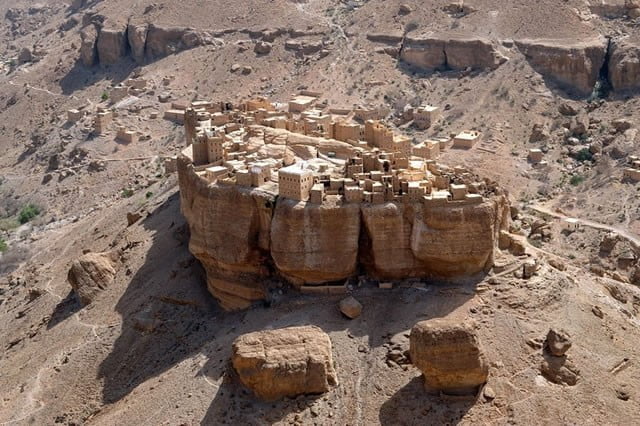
{"x": 245, "y": 236}
{"x": 571, "y": 65}
{"x": 451, "y": 52}
{"x": 624, "y": 65}
{"x": 229, "y": 235}
{"x": 315, "y": 243}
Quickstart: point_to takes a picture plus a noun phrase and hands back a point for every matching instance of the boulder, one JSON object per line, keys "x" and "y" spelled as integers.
{"x": 25, "y": 56}
{"x": 112, "y": 45}
{"x": 92, "y": 273}
{"x": 621, "y": 124}
{"x": 559, "y": 370}
{"x": 350, "y": 307}
{"x": 539, "y": 133}
{"x": 88, "y": 50}
{"x": 573, "y": 65}
{"x": 262, "y": 47}
{"x": 285, "y": 363}
{"x": 405, "y": 9}
{"x": 449, "y": 355}
{"x": 558, "y": 342}
{"x": 567, "y": 109}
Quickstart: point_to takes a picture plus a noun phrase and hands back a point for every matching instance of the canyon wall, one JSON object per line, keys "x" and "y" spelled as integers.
{"x": 245, "y": 237}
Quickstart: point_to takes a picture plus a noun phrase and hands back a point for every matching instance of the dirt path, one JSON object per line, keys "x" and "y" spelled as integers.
{"x": 632, "y": 238}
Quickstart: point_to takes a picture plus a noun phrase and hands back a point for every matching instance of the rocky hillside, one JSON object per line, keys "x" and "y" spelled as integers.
{"x": 153, "y": 346}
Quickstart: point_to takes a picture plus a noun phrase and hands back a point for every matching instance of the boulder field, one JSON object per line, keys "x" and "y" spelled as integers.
{"x": 245, "y": 236}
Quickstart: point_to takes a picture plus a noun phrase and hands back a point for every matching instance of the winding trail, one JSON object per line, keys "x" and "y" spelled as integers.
{"x": 624, "y": 233}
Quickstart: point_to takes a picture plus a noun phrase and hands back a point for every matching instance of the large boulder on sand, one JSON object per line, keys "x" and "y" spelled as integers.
{"x": 286, "y": 362}
{"x": 92, "y": 273}
{"x": 449, "y": 355}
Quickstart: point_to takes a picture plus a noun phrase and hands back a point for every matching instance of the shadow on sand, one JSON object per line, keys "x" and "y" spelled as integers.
{"x": 80, "y": 77}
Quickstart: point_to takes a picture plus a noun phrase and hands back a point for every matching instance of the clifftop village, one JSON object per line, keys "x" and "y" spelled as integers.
{"x": 370, "y": 163}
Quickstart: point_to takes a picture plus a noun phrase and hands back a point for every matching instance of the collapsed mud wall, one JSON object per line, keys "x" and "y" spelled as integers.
{"x": 245, "y": 236}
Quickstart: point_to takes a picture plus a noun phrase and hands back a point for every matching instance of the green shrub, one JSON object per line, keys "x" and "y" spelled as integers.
{"x": 126, "y": 193}
{"x": 149, "y": 194}
{"x": 3, "y": 245}
{"x": 584, "y": 155}
{"x": 576, "y": 180}
{"x": 104, "y": 96}
{"x": 27, "y": 213}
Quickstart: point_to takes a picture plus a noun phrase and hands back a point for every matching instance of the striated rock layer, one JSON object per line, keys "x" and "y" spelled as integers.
{"x": 285, "y": 363}
{"x": 624, "y": 65}
{"x": 572, "y": 65}
{"x": 245, "y": 236}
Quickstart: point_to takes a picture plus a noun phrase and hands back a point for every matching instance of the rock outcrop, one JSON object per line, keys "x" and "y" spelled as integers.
{"x": 108, "y": 42}
{"x": 411, "y": 240}
{"x": 112, "y": 44}
{"x": 245, "y": 236}
{"x": 137, "y": 37}
{"x": 624, "y": 65}
{"x": 451, "y": 52}
{"x": 315, "y": 243}
{"x": 285, "y": 363}
{"x": 92, "y": 273}
{"x": 573, "y": 65}
{"x": 558, "y": 342}
{"x": 449, "y": 355}
{"x": 230, "y": 235}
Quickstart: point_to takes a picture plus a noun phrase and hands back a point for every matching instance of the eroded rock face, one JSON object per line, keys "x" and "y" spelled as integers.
{"x": 112, "y": 44}
{"x": 229, "y": 235}
{"x": 457, "y": 241}
{"x": 246, "y": 236}
{"x": 624, "y": 65}
{"x": 449, "y": 355}
{"x": 88, "y": 50}
{"x": 456, "y": 53}
{"x": 425, "y": 53}
{"x": 315, "y": 243}
{"x": 285, "y": 363}
{"x": 388, "y": 229}
{"x": 137, "y": 37}
{"x": 412, "y": 241}
{"x": 92, "y": 273}
{"x": 572, "y": 65}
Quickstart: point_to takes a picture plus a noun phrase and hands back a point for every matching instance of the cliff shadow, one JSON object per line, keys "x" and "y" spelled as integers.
{"x": 80, "y": 77}
{"x": 167, "y": 313}
{"x": 444, "y": 72}
{"x": 411, "y": 405}
{"x": 64, "y": 309}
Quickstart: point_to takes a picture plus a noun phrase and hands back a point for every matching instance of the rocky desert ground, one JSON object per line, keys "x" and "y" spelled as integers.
{"x": 153, "y": 346}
